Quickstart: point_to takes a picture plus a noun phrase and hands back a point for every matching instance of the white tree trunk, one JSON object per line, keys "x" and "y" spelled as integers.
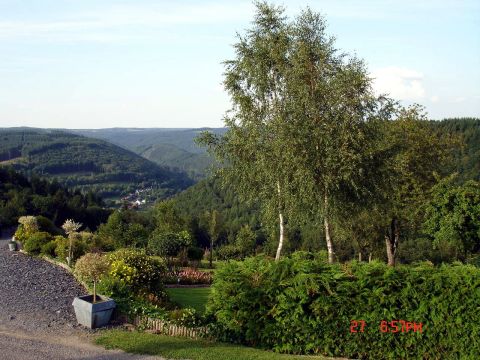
{"x": 281, "y": 226}
{"x": 327, "y": 232}
{"x": 280, "y": 240}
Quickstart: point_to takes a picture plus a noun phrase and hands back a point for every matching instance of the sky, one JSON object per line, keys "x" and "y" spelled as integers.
{"x": 140, "y": 63}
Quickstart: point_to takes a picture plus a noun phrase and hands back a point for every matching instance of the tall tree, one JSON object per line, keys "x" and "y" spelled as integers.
{"x": 415, "y": 155}
{"x": 253, "y": 149}
{"x": 302, "y": 131}
{"x": 214, "y": 225}
{"x": 334, "y": 122}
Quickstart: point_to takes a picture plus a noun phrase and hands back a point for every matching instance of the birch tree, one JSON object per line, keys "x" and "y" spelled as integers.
{"x": 302, "y": 130}
{"x": 335, "y": 121}
{"x": 253, "y": 150}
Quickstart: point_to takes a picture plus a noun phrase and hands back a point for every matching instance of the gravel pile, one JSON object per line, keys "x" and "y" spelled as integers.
{"x": 34, "y": 294}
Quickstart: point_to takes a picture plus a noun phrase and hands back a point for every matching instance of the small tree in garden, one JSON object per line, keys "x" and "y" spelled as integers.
{"x": 70, "y": 227}
{"x": 169, "y": 244}
{"x": 246, "y": 240}
{"x": 91, "y": 267}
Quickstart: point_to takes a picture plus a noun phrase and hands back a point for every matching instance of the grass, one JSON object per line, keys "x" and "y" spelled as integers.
{"x": 190, "y": 297}
{"x": 183, "y": 348}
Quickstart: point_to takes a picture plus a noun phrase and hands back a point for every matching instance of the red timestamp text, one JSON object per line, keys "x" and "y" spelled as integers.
{"x": 393, "y": 326}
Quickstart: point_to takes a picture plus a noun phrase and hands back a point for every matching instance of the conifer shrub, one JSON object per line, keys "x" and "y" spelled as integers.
{"x": 305, "y": 306}
{"x": 33, "y": 243}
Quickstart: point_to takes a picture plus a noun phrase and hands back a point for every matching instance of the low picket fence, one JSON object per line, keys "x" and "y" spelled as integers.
{"x": 167, "y": 328}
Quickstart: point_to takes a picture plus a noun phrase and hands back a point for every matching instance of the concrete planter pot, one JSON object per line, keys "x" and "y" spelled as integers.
{"x": 93, "y": 315}
{"x": 12, "y": 246}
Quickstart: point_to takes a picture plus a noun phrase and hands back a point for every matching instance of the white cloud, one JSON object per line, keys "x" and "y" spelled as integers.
{"x": 400, "y": 83}
{"x": 434, "y": 99}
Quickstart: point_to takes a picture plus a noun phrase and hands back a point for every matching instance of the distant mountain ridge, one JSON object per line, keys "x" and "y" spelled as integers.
{"x": 171, "y": 147}
{"x": 85, "y": 163}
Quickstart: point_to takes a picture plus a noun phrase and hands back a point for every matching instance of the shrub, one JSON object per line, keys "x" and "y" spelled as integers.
{"x": 185, "y": 317}
{"x": 137, "y": 270}
{"x": 20, "y": 234}
{"x": 33, "y": 244}
{"x": 79, "y": 247}
{"x": 113, "y": 287}
{"x": 229, "y": 252}
{"x": 306, "y": 306}
{"x": 169, "y": 243}
{"x": 48, "y": 249}
{"x": 195, "y": 253}
{"x": 246, "y": 240}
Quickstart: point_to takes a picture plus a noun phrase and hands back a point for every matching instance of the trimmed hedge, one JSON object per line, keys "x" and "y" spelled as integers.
{"x": 306, "y": 306}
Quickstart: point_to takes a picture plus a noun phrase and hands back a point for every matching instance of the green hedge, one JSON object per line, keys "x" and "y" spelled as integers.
{"x": 305, "y": 306}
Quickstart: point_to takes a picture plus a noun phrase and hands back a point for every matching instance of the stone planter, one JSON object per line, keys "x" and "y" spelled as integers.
{"x": 12, "y": 246}
{"x": 93, "y": 315}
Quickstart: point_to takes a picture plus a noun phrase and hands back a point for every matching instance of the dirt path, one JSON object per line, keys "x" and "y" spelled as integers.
{"x": 36, "y": 314}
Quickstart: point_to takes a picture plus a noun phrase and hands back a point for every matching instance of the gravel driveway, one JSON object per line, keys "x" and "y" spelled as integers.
{"x": 37, "y": 320}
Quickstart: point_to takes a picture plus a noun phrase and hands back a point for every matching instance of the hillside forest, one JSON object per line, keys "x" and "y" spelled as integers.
{"x": 86, "y": 164}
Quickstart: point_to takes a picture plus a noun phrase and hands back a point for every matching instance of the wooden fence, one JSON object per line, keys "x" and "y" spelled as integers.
{"x": 166, "y": 328}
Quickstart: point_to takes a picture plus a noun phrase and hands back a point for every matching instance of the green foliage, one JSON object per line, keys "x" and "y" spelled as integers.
{"x": 169, "y": 244}
{"x": 306, "y": 306}
{"x": 453, "y": 217}
{"x": 467, "y": 157}
{"x": 20, "y": 234}
{"x": 124, "y": 228}
{"x": 127, "y": 301}
{"x": 246, "y": 240}
{"x": 20, "y": 196}
{"x": 167, "y": 217}
{"x": 47, "y": 225}
{"x": 185, "y": 317}
{"x": 91, "y": 267}
{"x": 171, "y": 148}
{"x": 49, "y": 249}
{"x": 34, "y": 243}
{"x": 85, "y": 163}
{"x": 140, "y": 272}
{"x": 79, "y": 246}
{"x": 229, "y": 251}
{"x": 195, "y": 253}
{"x": 209, "y": 195}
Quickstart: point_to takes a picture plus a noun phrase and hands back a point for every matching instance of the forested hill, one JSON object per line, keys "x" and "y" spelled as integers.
{"x": 468, "y": 158}
{"x": 20, "y": 196}
{"x": 173, "y": 148}
{"x": 85, "y": 163}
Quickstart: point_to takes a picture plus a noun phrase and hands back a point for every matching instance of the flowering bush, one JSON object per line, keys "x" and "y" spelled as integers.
{"x": 189, "y": 277}
{"x": 140, "y": 272}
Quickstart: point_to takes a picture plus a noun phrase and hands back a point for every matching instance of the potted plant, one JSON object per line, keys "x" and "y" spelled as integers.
{"x": 92, "y": 310}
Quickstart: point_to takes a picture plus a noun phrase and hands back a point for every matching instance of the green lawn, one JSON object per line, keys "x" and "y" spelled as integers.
{"x": 190, "y": 297}
{"x": 183, "y": 348}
